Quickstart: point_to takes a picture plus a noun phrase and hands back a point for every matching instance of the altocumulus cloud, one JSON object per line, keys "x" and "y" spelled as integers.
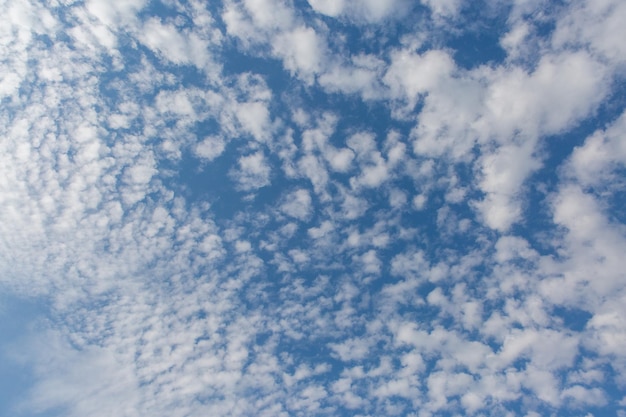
{"x": 308, "y": 208}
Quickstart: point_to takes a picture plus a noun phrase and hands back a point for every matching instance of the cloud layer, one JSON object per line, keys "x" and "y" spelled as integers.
{"x": 278, "y": 208}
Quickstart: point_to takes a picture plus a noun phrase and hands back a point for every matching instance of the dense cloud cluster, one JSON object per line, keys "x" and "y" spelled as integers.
{"x": 321, "y": 207}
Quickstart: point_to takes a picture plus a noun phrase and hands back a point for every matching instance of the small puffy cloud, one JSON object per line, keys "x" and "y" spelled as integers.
{"x": 137, "y": 179}
{"x": 504, "y": 173}
{"x": 298, "y": 204}
{"x": 340, "y": 160}
{"x": 598, "y": 159}
{"x": 242, "y": 246}
{"x": 370, "y": 262}
{"x": 547, "y": 100}
{"x": 397, "y": 198}
{"x": 180, "y": 48}
{"x": 178, "y": 102}
{"x": 322, "y": 230}
{"x": 499, "y": 211}
{"x": 253, "y": 172}
{"x": 315, "y": 171}
{"x": 373, "y": 175}
{"x": 210, "y": 148}
{"x": 114, "y": 14}
{"x": 254, "y": 118}
{"x": 359, "y": 10}
{"x": 514, "y": 40}
{"x": 581, "y": 396}
{"x": 411, "y": 74}
{"x": 443, "y": 8}
{"x": 269, "y": 14}
{"x": 166, "y": 40}
{"x": 302, "y": 51}
{"x": 419, "y": 201}
{"x": 375, "y": 168}
{"x": 353, "y": 207}
{"x": 352, "y": 349}
{"x": 363, "y": 144}
{"x": 595, "y": 26}
{"x": 510, "y": 248}
{"x": 359, "y": 75}
{"x": 328, "y": 7}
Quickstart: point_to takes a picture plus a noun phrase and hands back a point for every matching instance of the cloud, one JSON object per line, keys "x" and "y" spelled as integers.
{"x": 253, "y": 172}
{"x": 254, "y": 118}
{"x": 594, "y": 26}
{"x": 298, "y": 46}
{"x": 361, "y": 10}
{"x": 376, "y": 168}
{"x": 443, "y": 9}
{"x": 168, "y": 42}
{"x": 298, "y": 204}
{"x": 210, "y": 148}
{"x": 361, "y": 75}
{"x": 504, "y": 173}
{"x": 116, "y": 14}
{"x": 264, "y": 207}
{"x": 68, "y": 383}
{"x": 301, "y": 49}
{"x": 411, "y": 75}
{"x": 327, "y": 7}
{"x": 598, "y": 159}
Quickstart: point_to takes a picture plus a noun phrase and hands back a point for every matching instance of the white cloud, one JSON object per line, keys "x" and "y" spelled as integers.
{"x": 340, "y": 160}
{"x": 444, "y": 8}
{"x": 375, "y": 168}
{"x": 360, "y": 75}
{"x": 298, "y": 204}
{"x": 351, "y": 349}
{"x": 273, "y": 23}
{"x": 589, "y": 234}
{"x": 316, "y": 172}
{"x": 397, "y": 198}
{"x": 419, "y": 201}
{"x": 328, "y": 7}
{"x": 210, "y": 148}
{"x": 411, "y": 75}
{"x": 255, "y": 119}
{"x": 503, "y": 174}
{"x": 563, "y": 89}
{"x": 360, "y": 10}
{"x": 515, "y": 41}
{"x": 596, "y": 160}
{"x": 370, "y": 261}
{"x": 302, "y": 51}
{"x": 67, "y": 380}
{"x": 321, "y": 231}
{"x": 253, "y": 173}
{"x": 269, "y": 13}
{"x": 582, "y": 396}
{"x": 167, "y": 41}
{"x": 595, "y": 25}
{"x": 115, "y": 14}
{"x": 510, "y": 248}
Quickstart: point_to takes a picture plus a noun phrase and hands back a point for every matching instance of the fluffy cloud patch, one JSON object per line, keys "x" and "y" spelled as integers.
{"x": 253, "y": 172}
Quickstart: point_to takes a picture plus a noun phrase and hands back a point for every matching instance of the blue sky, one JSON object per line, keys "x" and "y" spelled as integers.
{"x": 312, "y": 208}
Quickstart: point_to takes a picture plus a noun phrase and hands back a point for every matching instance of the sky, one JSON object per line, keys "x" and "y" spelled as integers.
{"x": 312, "y": 208}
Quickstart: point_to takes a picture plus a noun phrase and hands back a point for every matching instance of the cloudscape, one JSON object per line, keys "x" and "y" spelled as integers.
{"x": 312, "y": 208}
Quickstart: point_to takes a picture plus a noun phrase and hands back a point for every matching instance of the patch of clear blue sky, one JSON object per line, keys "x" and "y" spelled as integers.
{"x": 19, "y": 318}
